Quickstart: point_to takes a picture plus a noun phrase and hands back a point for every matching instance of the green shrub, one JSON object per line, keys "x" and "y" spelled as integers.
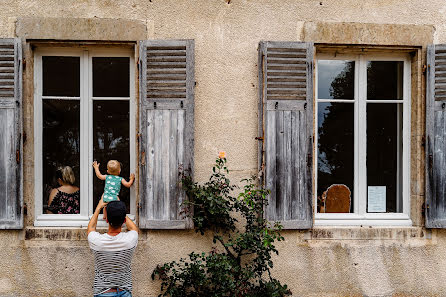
{"x": 239, "y": 263}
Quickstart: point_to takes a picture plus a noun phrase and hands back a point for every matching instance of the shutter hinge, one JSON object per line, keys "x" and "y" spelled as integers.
{"x": 24, "y": 63}
{"x": 423, "y": 141}
{"x": 25, "y": 209}
{"x": 17, "y": 156}
{"x": 431, "y": 161}
{"x": 425, "y": 68}
{"x": 154, "y": 105}
{"x": 259, "y": 138}
{"x": 138, "y": 206}
{"x": 24, "y": 137}
{"x": 138, "y": 137}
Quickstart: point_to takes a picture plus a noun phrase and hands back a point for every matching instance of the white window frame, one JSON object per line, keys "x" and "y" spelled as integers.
{"x": 86, "y": 133}
{"x": 360, "y": 215}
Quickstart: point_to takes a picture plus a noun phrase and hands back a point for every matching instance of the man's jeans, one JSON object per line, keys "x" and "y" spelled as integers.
{"x": 120, "y": 293}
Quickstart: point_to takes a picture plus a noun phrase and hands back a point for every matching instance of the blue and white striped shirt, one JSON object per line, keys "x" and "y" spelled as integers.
{"x": 113, "y": 259}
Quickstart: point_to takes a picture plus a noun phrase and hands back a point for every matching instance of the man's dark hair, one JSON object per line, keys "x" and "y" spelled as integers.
{"x": 116, "y": 212}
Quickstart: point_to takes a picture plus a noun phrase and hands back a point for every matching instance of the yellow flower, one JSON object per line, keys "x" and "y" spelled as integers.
{"x": 222, "y": 155}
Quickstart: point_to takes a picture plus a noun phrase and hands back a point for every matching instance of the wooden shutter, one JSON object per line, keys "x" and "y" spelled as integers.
{"x": 286, "y": 126}
{"x": 436, "y": 137}
{"x": 11, "y": 199}
{"x": 166, "y": 129}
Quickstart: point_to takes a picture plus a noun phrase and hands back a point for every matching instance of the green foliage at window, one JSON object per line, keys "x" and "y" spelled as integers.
{"x": 240, "y": 261}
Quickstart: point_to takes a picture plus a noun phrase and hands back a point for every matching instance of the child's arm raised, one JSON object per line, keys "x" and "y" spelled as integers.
{"x": 129, "y": 183}
{"x": 96, "y": 170}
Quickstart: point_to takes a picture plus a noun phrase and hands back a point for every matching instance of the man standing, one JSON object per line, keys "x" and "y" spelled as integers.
{"x": 113, "y": 251}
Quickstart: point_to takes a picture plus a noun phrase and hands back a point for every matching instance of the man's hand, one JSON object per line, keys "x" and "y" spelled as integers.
{"x": 101, "y": 204}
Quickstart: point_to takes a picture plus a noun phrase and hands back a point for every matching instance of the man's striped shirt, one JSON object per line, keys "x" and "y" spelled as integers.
{"x": 113, "y": 259}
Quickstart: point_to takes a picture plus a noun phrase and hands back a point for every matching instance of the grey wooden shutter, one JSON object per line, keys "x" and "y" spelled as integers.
{"x": 11, "y": 199}
{"x": 286, "y": 124}
{"x": 166, "y": 130}
{"x": 436, "y": 137}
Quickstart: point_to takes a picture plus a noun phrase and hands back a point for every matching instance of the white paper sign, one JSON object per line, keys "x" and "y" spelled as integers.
{"x": 376, "y": 198}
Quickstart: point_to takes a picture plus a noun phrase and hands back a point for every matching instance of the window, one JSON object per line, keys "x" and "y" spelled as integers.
{"x": 362, "y": 139}
{"x": 84, "y": 110}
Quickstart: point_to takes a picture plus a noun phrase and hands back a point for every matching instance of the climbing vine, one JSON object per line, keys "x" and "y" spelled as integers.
{"x": 240, "y": 261}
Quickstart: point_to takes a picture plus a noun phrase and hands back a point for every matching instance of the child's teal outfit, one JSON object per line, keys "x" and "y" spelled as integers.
{"x": 112, "y": 187}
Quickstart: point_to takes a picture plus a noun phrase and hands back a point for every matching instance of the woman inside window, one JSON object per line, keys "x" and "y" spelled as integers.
{"x": 65, "y": 198}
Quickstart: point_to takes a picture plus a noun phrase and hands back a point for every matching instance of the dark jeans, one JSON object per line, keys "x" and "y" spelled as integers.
{"x": 119, "y": 293}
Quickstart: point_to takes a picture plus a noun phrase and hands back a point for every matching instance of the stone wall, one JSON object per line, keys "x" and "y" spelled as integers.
{"x": 329, "y": 261}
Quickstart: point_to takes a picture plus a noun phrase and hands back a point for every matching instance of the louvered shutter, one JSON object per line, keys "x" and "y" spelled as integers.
{"x": 286, "y": 124}
{"x": 436, "y": 137}
{"x": 166, "y": 129}
{"x": 11, "y": 200}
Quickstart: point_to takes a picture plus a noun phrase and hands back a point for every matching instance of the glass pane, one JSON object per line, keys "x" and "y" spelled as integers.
{"x": 111, "y": 77}
{"x": 61, "y": 76}
{"x": 111, "y": 142}
{"x": 61, "y": 147}
{"x": 384, "y": 157}
{"x": 384, "y": 80}
{"x": 335, "y": 157}
{"x": 336, "y": 79}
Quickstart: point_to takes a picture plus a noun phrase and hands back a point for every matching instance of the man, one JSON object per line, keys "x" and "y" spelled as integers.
{"x": 113, "y": 251}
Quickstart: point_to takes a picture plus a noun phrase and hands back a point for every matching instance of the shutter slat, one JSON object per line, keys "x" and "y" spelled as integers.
{"x": 286, "y": 96}
{"x": 11, "y": 197}
{"x": 166, "y": 125}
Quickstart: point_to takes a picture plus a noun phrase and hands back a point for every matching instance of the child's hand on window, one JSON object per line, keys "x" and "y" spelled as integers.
{"x": 96, "y": 164}
{"x": 132, "y": 176}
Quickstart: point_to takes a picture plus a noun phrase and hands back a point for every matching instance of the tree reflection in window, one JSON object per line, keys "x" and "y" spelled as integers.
{"x": 336, "y": 127}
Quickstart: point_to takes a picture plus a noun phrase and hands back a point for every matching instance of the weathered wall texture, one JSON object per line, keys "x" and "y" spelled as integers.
{"x": 322, "y": 262}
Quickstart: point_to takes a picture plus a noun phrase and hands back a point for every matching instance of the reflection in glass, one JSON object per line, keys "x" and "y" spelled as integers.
{"x": 111, "y": 77}
{"x": 384, "y": 80}
{"x": 336, "y": 79}
{"x": 111, "y": 142}
{"x": 335, "y": 148}
{"x": 385, "y": 150}
{"x": 61, "y": 76}
{"x": 60, "y": 142}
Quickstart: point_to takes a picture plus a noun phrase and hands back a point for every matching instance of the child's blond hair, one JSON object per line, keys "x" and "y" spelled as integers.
{"x": 114, "y": 167}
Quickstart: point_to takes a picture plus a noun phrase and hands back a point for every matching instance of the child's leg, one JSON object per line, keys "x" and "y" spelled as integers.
{"x": 104, "y": 212}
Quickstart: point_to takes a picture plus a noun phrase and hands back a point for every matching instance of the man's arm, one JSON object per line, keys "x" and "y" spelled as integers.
{"x": 94, "y": 219}
{"x": 130, "y": 225}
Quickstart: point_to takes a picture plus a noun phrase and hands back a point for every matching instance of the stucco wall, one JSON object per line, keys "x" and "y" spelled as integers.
{"x": 322, "y": 262}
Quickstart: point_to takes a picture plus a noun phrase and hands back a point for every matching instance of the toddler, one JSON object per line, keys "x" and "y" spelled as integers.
{"x": 112, "y": 181}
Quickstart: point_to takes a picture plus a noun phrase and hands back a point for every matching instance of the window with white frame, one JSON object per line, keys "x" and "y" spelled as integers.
{"x": 363, "y": 138}
{"x": 84, "y": 110}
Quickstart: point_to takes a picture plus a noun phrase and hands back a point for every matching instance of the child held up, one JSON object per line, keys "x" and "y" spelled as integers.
{"x": 112, "y": 181}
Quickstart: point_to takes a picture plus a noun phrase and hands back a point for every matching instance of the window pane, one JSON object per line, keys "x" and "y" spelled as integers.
{"x": 61, "y": 76}
{"x": 61, "y": 147}
{"x": 384, "y": 156}
{"x": 384, "y": 80}
{"x": 335, "y": 157}
{"x": 111, "y": 142}
{"x": 111, "y": 77}
{"x": 336, "y": 79}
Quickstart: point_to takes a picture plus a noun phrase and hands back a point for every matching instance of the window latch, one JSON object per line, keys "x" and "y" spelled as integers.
{"x": 154, "y": 105}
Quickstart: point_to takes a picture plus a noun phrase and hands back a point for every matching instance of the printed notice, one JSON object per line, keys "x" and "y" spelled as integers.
{"x": 376, "y": 198}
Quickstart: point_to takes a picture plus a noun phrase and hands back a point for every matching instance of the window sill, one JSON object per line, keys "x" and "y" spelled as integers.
{"x": 370, "y": 219}
{"x": 70, "y": 221}
{"x": 367, "y": 233}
